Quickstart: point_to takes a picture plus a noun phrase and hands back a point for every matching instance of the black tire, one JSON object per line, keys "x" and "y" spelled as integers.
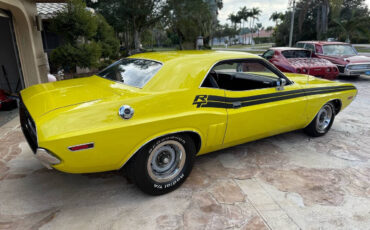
{"x": 313, "y": 129}
{"x": 158, "y": 154}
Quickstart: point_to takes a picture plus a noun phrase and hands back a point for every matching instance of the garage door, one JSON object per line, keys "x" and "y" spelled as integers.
{"x": 10, "y": 72}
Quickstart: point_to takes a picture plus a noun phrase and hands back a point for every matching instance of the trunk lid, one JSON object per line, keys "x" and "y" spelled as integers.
{"x": 43, "y": 98}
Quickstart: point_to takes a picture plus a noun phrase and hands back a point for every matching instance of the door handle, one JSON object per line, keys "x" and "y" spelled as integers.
{"x": 237, "y": 104}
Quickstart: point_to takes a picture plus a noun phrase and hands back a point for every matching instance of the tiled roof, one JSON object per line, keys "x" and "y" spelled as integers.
{"x": 49, "y": 10}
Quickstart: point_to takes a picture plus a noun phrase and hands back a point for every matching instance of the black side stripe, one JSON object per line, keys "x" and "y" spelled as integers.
{"x": 228, "y": 99}
{"x": 211, "y": 101}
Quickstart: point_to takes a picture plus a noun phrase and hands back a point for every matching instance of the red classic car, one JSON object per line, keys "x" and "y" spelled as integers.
{"x": 297, "y": 60}
{"x": 344, "y": 55}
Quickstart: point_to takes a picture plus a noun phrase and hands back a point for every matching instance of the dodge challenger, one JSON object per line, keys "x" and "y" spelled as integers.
{"x": 151, "y": 114}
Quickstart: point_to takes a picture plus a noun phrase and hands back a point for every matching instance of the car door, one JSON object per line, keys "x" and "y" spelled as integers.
{"x": 256, "y": 107}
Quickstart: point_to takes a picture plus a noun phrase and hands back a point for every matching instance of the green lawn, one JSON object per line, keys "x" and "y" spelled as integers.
{"x": 155, "y": 49}
{"x": 361, "y": 49}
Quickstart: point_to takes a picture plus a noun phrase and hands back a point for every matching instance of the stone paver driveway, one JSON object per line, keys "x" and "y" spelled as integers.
{"x": 288, "y": 181}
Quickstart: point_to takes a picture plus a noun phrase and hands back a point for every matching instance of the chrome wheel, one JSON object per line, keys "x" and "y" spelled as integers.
{"x": 166, "y": 161}
{"x": 324, "y": 118}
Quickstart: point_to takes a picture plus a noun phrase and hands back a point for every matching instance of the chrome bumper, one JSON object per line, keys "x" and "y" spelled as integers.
{"x": 356, "y": 69}
{"x": 46, "y": 158}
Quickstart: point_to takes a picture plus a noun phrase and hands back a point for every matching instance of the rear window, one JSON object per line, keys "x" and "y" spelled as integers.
{"x": 132, "y": 72}
{"x": 296, "y": 53}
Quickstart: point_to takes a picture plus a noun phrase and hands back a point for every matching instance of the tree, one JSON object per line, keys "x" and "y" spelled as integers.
{"x": 269, "y": 28}
{"x": 189, "y": 19}
{"x": 276, "y": 17}
{"x": 106, "y": 37}
{"x": 244, "y": 15}
{"x": 347, "y": 20}
{"x": 258, "y": 28}
{"x": 86, "y": 37}
{"x": 255, "y": 12}
{"x": 131, "y": 18}
{"x": 234, "y": 19}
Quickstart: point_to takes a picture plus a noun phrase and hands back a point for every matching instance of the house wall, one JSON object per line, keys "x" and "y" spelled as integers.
{"x": 28, "y": 39}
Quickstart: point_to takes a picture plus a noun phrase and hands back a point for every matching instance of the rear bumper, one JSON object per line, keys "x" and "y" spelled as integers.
{"x": 47, "y": 158}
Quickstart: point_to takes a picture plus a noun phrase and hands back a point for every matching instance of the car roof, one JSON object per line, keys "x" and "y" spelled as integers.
{"x": 195, "y": 55}
{"x": 286, "y": 48}
{"x": 186, "y": 69}
{"x": 324, "y": 43}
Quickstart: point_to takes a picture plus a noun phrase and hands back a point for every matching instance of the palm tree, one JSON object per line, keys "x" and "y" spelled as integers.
{"x": 276, "y": 16}
{"x": 258, "y": 28}
{"x": 243, "y": 14}
{"x": 322, "y": 7}
{"x": 254, "y": 13}
{"x": 233, "y": 19}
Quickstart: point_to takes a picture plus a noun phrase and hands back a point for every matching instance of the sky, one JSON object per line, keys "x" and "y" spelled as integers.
{"x": 267, "y": 7}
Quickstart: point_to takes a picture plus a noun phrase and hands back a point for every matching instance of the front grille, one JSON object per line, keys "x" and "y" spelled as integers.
{"x": 28, "y": 126}
{"x": 359, "y": 66}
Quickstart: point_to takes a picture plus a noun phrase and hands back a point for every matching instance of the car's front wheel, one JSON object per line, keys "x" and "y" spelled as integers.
{"x": 323, "y": 121}
{"x": 162, "y": 165}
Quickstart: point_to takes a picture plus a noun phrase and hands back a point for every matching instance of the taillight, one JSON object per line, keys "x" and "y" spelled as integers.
{"x": 328, "y": 70}
{"x": 335, "y": 69}
{"x": 298, "y": 70}
{"x": 304, "y": 70}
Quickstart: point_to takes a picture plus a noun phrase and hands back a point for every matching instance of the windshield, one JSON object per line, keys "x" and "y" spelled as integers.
{"x": 296, "y": 53}
{"x": 132, "y": 72}
{"x": 341, "y": 50}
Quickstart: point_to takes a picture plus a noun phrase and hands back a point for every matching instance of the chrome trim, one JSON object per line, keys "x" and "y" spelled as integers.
{"x": 184, "y": 131}
{"x": 46, "y": 158}
{"x": 80, "y": 145}
{"x": 236, "y": 59}
{"x": 351, "y": 72}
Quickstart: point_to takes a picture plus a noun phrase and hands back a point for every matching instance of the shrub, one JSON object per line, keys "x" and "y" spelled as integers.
{"x": 87, "y": 38}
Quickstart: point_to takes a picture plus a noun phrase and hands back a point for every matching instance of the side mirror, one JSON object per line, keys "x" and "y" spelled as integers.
{"x": 280, "y": 84}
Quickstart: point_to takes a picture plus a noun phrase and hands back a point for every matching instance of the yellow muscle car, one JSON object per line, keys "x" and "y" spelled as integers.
{"x": 154, "y": 112}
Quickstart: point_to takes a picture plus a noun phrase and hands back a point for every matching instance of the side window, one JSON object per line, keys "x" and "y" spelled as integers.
{"x": 310, "y": 47}
{"x": 300, "y": 45}
{"x": 268, "y": 54}
{"x": 319, "y": 49}
{"x": 240, "y": 75}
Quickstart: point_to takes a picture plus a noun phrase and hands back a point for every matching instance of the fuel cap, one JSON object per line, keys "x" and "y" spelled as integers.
{"x": 126, "y": 112}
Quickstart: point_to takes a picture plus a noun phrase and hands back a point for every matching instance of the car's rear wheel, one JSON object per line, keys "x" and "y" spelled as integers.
{"x": 323, "y": 121}
{"x": 162, "y": 165}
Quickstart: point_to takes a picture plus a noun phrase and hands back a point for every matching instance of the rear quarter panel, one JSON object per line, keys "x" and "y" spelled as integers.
{"x": 315, "y": 102}
{"x": 116, "y": 139}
